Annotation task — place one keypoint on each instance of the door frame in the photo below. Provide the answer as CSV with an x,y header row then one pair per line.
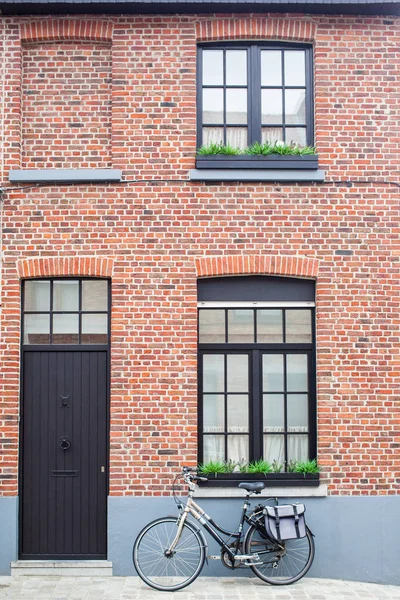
x,y
61,348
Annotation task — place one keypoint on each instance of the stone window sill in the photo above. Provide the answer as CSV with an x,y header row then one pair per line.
x,y
65,175
257,175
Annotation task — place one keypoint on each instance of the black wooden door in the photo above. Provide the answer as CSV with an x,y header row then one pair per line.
x,y
64,455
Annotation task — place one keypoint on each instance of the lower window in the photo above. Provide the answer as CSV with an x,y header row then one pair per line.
x,y
257,385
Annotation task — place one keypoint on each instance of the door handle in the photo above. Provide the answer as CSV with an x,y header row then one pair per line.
x,y
65,443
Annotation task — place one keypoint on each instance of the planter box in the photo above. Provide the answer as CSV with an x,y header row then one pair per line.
x,y
269,479
247,161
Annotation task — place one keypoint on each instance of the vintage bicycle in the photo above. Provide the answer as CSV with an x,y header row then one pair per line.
x,y
169,553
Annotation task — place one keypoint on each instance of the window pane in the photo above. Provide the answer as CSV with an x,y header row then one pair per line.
x,y
269,326
295,68
37,329
213,67
37,296
296,135
66,295
298,327
213,135
238,413
213,413
274,448
213,447
273,412
271,134
236,67
95,294
297,447
213,373
271,106
273,373
297,412
236,137
238,448
94,329
236,106
65,329
295,107
271,67
237,373
297,380
211,326
213,107
240,326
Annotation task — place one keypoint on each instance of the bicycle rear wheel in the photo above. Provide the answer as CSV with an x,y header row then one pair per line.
x,y
168,572
282,563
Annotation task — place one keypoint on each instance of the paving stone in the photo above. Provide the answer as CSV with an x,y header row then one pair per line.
x,y
204,588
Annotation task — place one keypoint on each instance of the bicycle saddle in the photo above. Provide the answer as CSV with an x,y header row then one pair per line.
x,y
255,487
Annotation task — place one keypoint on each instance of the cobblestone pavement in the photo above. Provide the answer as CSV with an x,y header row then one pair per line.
x,y
204,588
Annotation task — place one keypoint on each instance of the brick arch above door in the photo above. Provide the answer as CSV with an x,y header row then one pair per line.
x,y
285,266
77,266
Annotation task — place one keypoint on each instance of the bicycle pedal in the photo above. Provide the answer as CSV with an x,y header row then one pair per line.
x,y
251,564
214,557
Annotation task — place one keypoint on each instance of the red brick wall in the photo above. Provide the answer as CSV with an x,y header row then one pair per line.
x,y
160,232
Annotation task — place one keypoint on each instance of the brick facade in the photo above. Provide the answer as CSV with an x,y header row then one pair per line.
x,y
134,99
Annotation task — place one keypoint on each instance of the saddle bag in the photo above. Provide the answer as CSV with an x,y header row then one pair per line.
x,y
285,521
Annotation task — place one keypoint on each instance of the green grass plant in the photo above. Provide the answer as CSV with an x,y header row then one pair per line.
x,y
257,149
218,149
307,466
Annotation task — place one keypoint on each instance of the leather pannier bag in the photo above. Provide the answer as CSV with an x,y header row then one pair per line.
x,y
285,521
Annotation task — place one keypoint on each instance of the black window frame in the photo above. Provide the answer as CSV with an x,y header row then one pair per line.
x,y
57,346
255,352
254,121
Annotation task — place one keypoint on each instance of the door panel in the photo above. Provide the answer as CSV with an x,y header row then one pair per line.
x,y
64,488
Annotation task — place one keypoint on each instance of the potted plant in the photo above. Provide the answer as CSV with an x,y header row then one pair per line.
x,y
276,155
229,473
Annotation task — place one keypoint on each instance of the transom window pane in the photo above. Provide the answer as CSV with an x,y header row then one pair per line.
x,y
269,326
95,295
298,326
240,326
66,329
66,311
37,329
66,295
211,326
37,296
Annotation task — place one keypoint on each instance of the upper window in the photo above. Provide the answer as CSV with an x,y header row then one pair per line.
x,y
253,92
66,311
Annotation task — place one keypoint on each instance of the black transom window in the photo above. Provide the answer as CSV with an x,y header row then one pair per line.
x,y
257,396
66,312
254,92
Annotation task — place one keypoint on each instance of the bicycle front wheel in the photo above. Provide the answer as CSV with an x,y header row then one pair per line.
x,y
168,571
281,563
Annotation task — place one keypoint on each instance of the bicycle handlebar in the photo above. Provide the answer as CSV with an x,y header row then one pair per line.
x,y
192,474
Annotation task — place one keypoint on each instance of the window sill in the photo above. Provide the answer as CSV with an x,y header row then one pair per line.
x,y
65,175
248,161
269,479
260,175
287,491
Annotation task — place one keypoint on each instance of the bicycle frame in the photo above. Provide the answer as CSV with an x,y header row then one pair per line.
x,y
193,509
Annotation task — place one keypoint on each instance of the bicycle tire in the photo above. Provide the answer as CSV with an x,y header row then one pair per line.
x,y
283,563
165,573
